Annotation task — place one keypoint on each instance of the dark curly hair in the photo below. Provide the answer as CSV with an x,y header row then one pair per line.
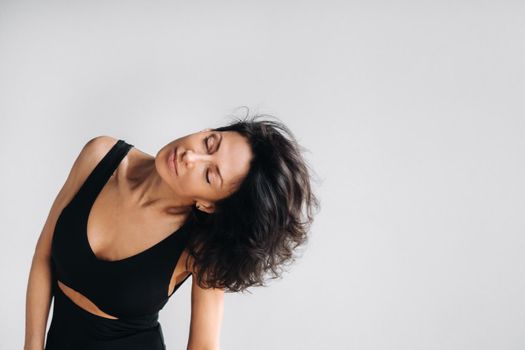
x,y
254,231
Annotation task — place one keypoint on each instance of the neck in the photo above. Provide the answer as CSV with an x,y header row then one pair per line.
x,y
148,190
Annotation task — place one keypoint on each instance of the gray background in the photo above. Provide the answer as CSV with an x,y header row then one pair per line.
x,y
412,113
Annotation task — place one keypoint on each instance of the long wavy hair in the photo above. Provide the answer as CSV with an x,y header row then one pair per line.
x,y
254,232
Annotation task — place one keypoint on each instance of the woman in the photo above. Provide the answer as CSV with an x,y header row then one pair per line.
x,y
227,206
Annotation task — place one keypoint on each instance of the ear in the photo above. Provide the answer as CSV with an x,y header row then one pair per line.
x,y
205,207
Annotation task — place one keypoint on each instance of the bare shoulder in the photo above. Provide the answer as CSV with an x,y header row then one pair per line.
x,y
89,156
94,150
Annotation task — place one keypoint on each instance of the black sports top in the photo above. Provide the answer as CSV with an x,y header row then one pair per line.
x,y
134,288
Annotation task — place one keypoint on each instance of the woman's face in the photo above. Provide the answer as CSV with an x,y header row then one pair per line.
x,y
205,166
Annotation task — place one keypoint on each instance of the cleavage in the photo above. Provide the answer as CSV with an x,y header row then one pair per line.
x,y
115,232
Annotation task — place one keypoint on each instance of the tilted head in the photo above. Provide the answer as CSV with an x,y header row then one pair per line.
x,y
253,231
206,166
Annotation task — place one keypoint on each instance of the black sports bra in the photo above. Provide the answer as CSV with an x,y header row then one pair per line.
x,y
133,287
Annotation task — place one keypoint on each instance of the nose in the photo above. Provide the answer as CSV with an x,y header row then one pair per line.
x,y
191,157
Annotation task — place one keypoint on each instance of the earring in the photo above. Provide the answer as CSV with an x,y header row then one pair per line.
x,y
198,206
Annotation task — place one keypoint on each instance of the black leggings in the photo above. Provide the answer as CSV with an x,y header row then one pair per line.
x,y
72,327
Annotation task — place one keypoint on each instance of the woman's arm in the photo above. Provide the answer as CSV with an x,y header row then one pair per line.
x,y
39,293
207,306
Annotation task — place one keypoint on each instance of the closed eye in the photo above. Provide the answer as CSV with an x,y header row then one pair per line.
x,y
216,144
206,143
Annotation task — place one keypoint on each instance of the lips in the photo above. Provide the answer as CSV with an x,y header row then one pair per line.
x,y
172,160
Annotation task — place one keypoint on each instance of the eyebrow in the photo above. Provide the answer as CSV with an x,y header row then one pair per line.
x,y
218,170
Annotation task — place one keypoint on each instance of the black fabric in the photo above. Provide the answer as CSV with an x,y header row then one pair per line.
x,y
133,289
